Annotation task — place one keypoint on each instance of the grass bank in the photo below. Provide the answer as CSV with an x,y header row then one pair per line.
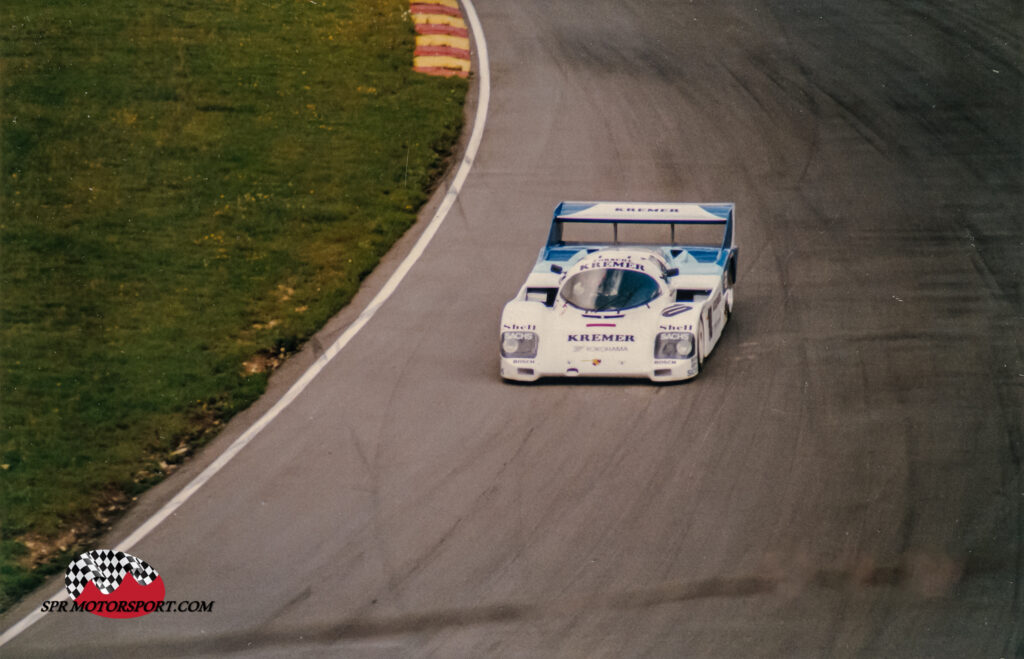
x,y
188,191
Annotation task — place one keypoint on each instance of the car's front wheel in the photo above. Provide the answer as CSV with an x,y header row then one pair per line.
x,y
700,349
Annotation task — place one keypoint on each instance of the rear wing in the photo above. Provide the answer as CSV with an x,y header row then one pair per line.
x,y
631,214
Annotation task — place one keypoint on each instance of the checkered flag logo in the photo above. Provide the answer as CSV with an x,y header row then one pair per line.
x,y
106,569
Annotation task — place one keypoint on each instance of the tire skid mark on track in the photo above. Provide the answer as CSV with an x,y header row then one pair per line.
x,y
431,621
918,572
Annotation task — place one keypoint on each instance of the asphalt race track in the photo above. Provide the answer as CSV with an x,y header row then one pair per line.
x,y
845,478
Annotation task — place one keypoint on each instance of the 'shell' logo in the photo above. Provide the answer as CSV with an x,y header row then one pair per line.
x,y
113,584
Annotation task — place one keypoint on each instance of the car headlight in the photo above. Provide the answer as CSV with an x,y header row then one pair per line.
x,y
673,345
518,344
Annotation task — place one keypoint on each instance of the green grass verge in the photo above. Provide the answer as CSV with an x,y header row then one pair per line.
x,y
184,185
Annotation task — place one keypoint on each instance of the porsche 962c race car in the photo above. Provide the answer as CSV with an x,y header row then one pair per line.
x,y
623,289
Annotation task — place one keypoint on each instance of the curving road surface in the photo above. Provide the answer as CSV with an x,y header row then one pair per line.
x,y
845,478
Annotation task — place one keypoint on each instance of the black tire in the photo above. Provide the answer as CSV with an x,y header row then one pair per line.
x,y
700,349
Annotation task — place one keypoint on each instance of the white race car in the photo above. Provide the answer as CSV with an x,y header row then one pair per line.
x,y
620,291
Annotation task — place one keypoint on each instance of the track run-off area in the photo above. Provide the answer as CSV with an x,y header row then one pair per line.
x,y
845,477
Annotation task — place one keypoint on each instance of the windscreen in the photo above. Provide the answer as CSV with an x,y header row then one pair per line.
x,y
606,289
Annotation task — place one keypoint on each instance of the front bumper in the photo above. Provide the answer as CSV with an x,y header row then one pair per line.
x,y
656,370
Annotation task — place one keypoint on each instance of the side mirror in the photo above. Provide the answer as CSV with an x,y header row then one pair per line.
x,y
557,269
672,272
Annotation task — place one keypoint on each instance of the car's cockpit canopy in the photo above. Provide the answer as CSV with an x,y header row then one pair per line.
x,y
609,289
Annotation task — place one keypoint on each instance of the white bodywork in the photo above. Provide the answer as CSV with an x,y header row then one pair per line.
x,y
662,327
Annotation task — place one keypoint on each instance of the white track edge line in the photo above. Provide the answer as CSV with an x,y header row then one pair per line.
x,y
325,358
